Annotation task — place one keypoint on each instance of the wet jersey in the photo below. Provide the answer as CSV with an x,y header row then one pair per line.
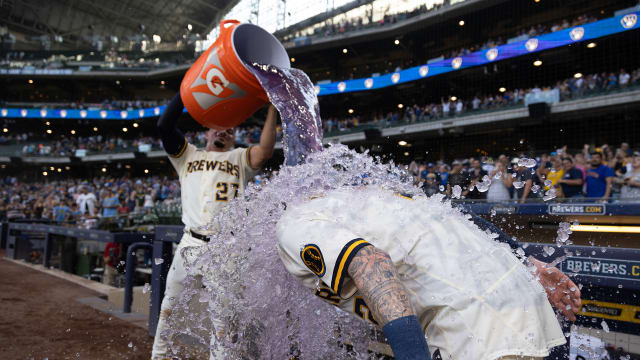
x,y
474,298
208,180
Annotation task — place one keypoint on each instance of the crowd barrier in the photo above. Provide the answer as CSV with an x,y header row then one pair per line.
x,y
610,277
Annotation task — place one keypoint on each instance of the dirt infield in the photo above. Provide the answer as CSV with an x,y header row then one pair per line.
x,y
40,318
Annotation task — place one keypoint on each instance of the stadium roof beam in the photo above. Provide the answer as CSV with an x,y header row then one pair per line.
x,y
80,20
322,17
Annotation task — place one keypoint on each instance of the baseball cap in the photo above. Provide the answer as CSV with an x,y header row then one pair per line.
x,y
456,162
636,153
515,160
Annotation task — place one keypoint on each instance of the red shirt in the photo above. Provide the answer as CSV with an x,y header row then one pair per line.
x,y
113,255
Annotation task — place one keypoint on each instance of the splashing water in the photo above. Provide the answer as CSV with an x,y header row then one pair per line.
x,y
293,94
242,268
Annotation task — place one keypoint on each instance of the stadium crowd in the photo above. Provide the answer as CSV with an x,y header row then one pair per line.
x,y
599,173
358,23
85,203
567,89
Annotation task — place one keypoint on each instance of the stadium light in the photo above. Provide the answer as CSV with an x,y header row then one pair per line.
x,y
30,81
156,38
48,123
51,168
461,22
350,111
397,42
537,1
67,167
117,82
146,171
189,27
73,132
124,129
5,130
591,45
293,59
400,106
454,98
135,125
502,89
406,153
49,131
104,169
606,228
537,63
344,51
161,82
402,143
95,129
45,173
577,75
59,170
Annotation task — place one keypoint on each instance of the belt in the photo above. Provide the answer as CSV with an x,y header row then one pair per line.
x,y
194,234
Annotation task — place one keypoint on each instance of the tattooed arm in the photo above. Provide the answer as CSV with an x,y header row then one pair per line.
x,y
377,280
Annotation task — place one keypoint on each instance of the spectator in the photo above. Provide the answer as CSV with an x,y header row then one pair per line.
x,y
523,183
624,79
631,188
458,177
444,175
501,181
87,202
476,173
74,214
571,182
110,204
430,185
555,173
599,178
61,212
111,256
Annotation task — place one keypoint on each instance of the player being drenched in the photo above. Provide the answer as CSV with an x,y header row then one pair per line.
x,y
209,178
418,270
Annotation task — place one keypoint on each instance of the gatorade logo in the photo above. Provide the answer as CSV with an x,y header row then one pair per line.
x,y
211,86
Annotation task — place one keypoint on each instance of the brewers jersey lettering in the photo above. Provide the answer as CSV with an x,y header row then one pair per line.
x,y
474,298
208,180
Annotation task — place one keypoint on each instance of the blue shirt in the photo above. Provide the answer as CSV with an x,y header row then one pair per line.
x,y
60,213
597,181
111,201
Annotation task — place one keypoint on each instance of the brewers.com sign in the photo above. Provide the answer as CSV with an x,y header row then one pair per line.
x,y
576,209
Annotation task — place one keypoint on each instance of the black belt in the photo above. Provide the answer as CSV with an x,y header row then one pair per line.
x,y
204,238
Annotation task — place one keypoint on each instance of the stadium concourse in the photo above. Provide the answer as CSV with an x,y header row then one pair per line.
x,y
525,113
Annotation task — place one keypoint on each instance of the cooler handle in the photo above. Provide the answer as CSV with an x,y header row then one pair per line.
x,y
226,22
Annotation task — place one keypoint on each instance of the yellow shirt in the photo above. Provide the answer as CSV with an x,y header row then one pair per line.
x,y
554,176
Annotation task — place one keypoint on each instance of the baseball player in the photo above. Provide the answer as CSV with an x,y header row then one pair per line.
x,y
209,178
420,269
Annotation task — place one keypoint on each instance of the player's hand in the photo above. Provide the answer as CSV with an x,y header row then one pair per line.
x,y
563,294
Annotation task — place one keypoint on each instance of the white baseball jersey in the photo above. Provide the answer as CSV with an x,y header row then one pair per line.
x,y
208,180
474,298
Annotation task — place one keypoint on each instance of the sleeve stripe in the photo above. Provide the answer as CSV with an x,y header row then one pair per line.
x,y
184,147
343,261
249,157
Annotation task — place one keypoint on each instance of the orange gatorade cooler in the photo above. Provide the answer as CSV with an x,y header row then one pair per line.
x,y
219,90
